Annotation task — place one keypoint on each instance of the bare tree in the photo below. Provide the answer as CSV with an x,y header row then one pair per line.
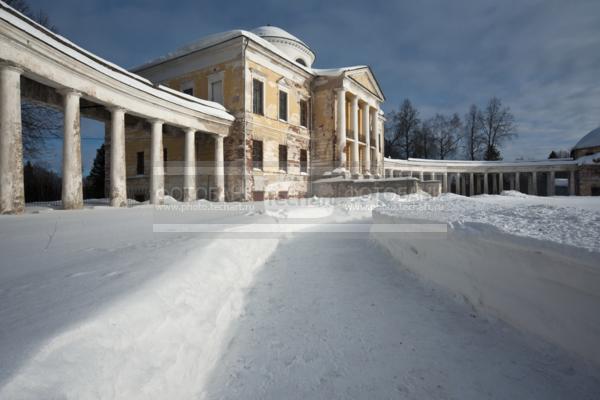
x,y
446,134
424,143
38,16
474,139
40,122
402,128
498,125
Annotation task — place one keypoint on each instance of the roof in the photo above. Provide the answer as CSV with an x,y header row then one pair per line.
x,y
256,35
273,31
213,40
337,71
480,163
592,139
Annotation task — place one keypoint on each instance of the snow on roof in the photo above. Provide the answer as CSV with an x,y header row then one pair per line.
x,y
212,40
337,71
469,163
255,35
592,139
592,159
60,43
273,31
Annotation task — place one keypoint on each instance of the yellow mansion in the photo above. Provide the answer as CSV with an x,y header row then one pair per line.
x,y
293,123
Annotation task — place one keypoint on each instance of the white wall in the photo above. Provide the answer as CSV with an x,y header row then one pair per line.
x,y
546,289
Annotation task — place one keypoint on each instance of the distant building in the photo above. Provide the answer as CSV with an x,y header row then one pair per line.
x,y
587,152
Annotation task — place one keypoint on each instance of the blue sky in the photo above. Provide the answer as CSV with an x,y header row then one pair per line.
x,y
542,58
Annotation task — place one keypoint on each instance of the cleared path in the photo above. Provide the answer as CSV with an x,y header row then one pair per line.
x,y
337,318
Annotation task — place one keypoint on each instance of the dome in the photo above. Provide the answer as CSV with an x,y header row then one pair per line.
x,y
592,139
289,44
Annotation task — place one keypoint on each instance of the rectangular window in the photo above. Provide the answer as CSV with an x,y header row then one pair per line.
x,y
303,161
140,163
257,97
283,98
216,92
304,113
257,154
282,158
189,91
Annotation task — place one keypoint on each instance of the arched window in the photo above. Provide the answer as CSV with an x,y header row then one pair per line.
x,y
301,61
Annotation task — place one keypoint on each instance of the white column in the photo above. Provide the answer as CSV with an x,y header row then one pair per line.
x,y
72,181
219,169
551,187
12,192
366,115
375,122
118,172
341,128
157,174
189,174
500,182
355,165
471,184
485,184
572,183
445,183
458,184
421,176
534,190
518,181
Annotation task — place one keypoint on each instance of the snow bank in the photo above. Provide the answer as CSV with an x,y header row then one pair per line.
x,y
530,263
158,342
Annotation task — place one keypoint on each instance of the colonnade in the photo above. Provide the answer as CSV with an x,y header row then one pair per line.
x,y
472,181
12,199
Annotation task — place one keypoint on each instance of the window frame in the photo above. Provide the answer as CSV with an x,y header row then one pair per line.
x,y
262,103
287,105
187,85
283,162
304,163
258,164
306,122
214,78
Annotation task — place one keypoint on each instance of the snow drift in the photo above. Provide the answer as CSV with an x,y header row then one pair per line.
x,y
531,264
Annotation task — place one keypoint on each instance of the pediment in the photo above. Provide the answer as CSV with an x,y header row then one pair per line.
x,y
365,78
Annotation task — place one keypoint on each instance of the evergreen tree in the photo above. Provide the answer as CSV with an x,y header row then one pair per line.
x,y
94,182
492,154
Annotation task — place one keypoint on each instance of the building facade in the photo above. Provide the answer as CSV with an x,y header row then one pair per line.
x,y
293,123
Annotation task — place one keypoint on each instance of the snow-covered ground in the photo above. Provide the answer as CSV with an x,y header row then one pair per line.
x,y
99,304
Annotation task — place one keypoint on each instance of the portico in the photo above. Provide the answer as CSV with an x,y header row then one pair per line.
x,y
359,132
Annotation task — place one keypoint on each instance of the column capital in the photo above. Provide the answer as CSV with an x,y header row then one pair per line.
x,y
68,91
156,121
190,130
115,109
340,90
354,99
11,66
